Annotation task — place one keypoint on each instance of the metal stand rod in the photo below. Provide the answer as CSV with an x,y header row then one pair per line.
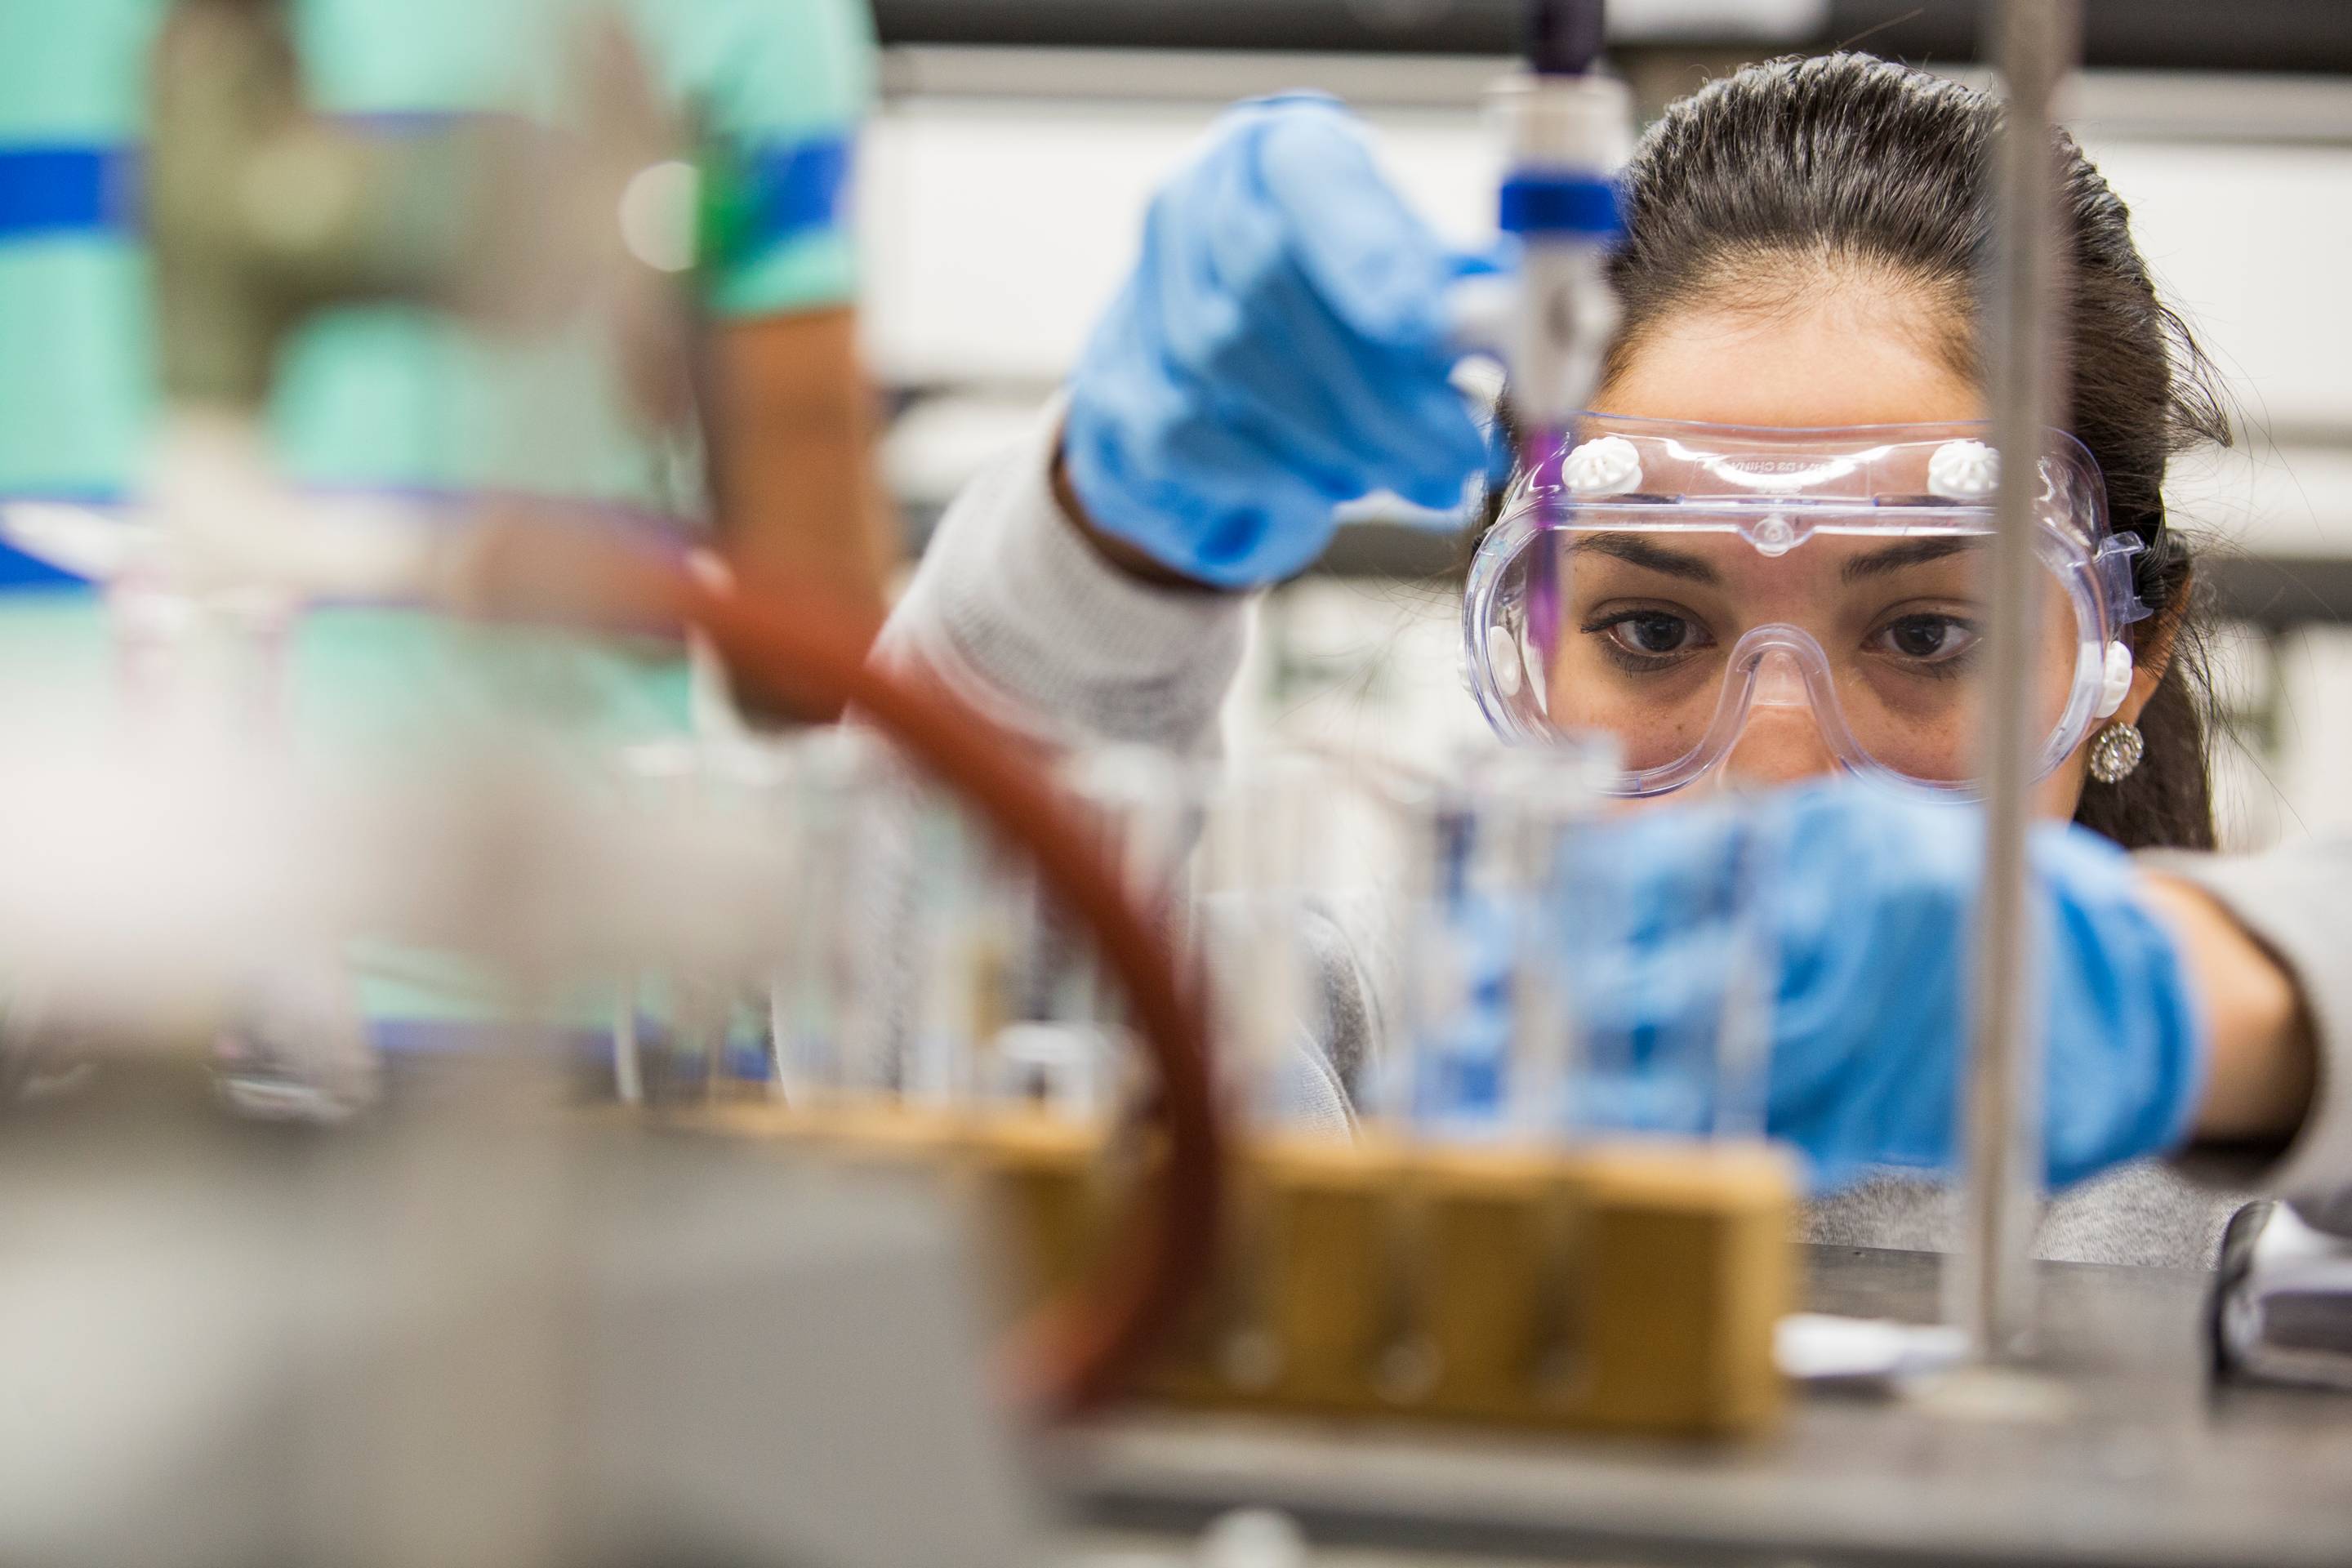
x,y
1990,1284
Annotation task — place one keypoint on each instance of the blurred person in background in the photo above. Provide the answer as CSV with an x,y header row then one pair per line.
x,y
409,401
1802,249
414,403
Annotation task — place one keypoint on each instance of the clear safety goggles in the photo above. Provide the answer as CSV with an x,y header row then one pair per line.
x,y
1692,590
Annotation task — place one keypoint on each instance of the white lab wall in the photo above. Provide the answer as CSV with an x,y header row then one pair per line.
x,y
995,229
2315,756
2251,242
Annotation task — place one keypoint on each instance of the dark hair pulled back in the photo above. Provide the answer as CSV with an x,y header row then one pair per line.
x,y
1764,178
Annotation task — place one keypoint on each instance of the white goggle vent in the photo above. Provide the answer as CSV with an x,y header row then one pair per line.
x,y
1606,466
1502,658
2115,680
1964,470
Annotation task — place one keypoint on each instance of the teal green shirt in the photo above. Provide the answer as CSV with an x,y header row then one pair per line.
x,y
394,396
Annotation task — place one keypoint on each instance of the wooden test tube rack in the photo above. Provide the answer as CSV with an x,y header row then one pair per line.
x,y
1632,1287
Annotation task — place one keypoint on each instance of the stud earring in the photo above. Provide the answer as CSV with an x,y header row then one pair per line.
x,y
2116,751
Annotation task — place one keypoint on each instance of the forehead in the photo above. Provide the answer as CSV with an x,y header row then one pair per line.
x,y
1850,356
1835,563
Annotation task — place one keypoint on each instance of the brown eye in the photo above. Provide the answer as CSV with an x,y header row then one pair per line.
x,y
1927,640
1654,633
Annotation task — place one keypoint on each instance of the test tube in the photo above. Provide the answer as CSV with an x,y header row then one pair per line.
x,y
822,1027
1444,1076
675,1004
1147,809
1265,840
751,780
659,777
1492,938
1743,1054
1534,801
1669,963
957,959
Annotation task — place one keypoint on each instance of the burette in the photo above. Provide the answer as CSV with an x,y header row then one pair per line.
x,y
1568,131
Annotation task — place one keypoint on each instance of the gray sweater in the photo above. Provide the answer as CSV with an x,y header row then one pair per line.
x,y
1020,616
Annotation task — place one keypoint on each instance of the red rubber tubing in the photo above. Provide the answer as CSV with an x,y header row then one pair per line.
x,y
1082,1348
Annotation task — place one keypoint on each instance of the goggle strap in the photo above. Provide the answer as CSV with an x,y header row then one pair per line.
x,y
2112,564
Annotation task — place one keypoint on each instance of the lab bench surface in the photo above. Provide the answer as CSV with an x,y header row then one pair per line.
x,y
2114,1450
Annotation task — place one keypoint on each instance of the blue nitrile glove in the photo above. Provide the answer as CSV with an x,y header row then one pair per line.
x,y
1279,350
1865,897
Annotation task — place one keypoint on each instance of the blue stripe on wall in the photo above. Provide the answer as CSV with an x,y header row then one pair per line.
x,y
48,191
792,188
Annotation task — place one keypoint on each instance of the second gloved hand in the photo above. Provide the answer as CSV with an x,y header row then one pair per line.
x,y
1280,350
1866,901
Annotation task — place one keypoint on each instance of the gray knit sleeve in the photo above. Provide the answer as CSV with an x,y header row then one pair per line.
x,y
2297,902
1022,618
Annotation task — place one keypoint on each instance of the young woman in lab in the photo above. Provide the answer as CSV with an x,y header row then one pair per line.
x,y
1799,269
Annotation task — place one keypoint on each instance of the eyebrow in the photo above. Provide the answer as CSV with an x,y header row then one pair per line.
x,y
1638,551
1897,557
1635,551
